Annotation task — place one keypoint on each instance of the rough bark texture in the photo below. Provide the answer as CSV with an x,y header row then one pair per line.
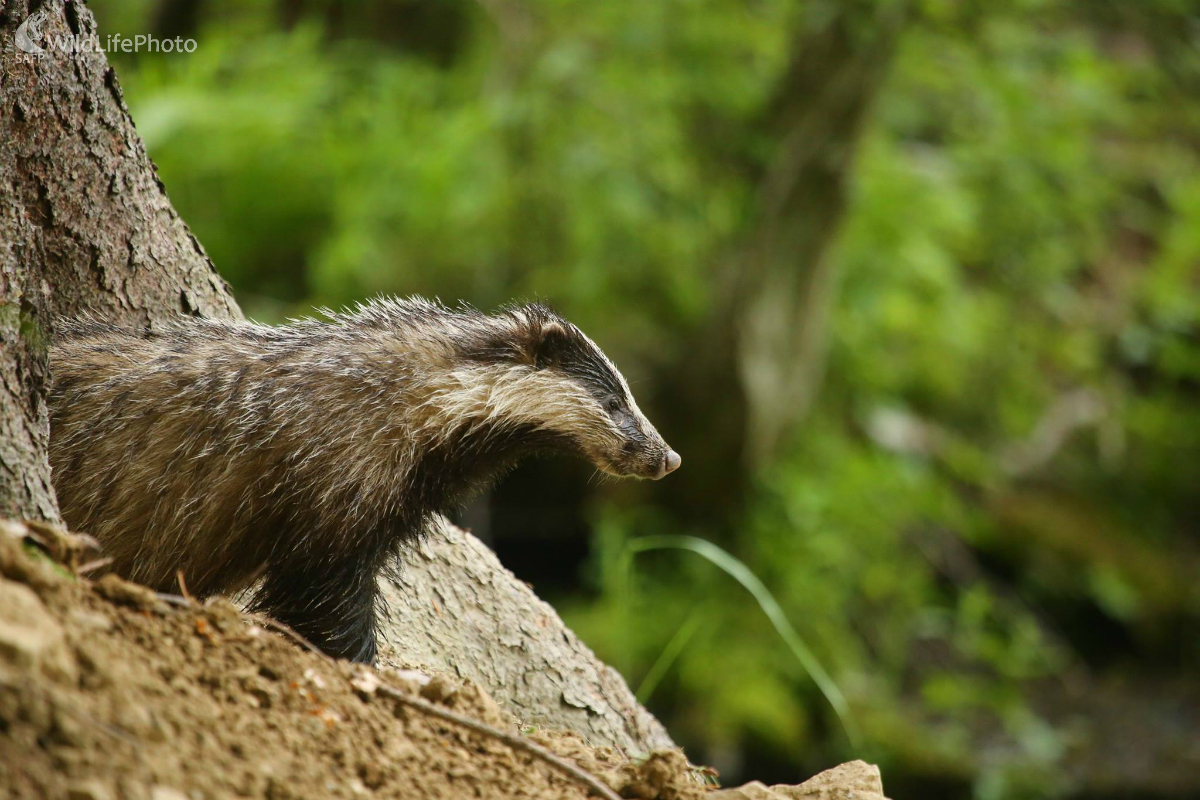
x,y
85,224
455,609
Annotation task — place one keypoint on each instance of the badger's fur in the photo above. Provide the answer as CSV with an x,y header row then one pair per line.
x,y
309,453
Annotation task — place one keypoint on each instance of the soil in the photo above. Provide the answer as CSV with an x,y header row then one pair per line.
x,y
108,691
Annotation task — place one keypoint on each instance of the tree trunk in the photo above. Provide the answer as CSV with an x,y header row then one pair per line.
x,y
786,283
500,635
769,324
85,225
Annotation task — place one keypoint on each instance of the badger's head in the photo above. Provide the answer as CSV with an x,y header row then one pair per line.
x,y
528,368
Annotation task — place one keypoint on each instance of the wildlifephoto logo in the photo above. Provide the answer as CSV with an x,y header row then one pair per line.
x,y
26,30
29,39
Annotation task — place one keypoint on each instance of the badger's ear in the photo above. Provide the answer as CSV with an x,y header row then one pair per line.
x,y
547,343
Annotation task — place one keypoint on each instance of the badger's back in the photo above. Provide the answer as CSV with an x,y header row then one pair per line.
x,y
211,445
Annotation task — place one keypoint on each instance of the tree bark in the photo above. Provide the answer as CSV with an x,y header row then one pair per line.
x,y
86,226
453,608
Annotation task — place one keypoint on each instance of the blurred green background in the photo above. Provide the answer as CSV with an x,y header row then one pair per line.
x,y
912,285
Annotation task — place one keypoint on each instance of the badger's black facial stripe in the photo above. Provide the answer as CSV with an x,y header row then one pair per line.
x,y
584,365
548,342
536,336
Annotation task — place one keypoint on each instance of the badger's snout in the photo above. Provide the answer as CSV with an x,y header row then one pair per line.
x,y
668,463
647,462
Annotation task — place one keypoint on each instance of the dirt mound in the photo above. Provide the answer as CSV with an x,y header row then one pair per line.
x,y
109,691
106,691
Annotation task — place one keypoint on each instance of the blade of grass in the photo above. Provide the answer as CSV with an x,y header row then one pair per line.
x,y
766,601
667,657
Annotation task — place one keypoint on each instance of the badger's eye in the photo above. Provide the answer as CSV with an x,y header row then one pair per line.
x,y
613,405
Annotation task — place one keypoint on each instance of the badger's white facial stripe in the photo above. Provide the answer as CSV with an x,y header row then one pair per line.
x,y
483,397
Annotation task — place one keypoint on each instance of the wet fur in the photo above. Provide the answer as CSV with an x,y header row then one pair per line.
x,y
310,453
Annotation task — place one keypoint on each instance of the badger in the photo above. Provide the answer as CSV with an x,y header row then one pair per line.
x,y
309,454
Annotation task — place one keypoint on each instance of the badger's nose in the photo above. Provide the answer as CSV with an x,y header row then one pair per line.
x,y
670,463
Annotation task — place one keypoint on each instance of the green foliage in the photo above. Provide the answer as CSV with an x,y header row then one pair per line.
x,y
1007,434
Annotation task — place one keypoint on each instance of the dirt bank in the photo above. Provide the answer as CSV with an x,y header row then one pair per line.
x,y
107,691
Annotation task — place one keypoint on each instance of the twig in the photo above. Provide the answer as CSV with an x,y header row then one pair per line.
x,y
515,742
174,599
183,585
1068,413
91,566
593,784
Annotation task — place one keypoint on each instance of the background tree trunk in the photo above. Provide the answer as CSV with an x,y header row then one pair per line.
x,y
85,225
785,278
777,289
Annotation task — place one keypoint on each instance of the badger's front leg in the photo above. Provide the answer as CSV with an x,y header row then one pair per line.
x,y
331,602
